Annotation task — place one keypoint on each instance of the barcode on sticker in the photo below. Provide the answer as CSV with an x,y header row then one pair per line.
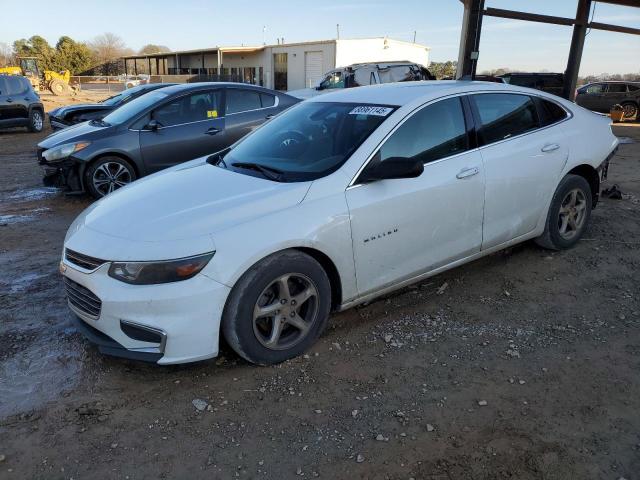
x,y
368,110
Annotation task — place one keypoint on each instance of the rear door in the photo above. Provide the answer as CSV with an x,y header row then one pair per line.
x,y
4,105
189,127
246,109
522,163
614,94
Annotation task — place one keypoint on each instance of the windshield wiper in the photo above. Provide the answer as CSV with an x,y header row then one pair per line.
x,y
269,172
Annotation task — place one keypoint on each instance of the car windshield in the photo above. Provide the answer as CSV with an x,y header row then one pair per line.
x,y
308,141
135,106
122,96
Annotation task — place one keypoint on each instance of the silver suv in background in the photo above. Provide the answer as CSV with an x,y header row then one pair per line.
x,y
362,74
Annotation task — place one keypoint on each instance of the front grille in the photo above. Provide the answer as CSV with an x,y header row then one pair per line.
x,y
82,298
81,260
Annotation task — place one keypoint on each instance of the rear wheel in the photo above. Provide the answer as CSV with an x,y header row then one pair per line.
x,y
630,110
278,308
36,121
568,214
108,174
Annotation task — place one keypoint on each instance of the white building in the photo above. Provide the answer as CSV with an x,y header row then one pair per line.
x,y
287,66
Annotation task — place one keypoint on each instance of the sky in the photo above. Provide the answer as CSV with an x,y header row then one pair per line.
x,y
193,24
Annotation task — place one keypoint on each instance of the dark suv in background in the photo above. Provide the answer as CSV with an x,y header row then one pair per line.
x,y
547,82
601,96
20,105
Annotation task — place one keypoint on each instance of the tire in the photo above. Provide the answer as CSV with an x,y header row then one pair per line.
x,y
57,87
36,121
568,215
630,110
107,174
300,315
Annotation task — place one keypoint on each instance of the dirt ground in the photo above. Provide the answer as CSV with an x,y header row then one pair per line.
x,y
522,365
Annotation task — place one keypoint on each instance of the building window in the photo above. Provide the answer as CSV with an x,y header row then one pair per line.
x,y
280,71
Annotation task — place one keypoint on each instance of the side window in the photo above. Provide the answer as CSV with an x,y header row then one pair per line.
x,y
504,115
550,112
188,109
595,88
333,80
267,100
617,88
239,100
435,132
362,77
633,88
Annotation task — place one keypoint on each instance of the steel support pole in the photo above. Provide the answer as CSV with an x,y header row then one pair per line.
x,y
577,46
470,38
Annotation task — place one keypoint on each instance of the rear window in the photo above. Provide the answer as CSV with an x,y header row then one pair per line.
x,y
550,112
504,115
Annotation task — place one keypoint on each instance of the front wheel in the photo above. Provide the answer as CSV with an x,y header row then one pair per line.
x,y
568,214
278,308
108,174
36,121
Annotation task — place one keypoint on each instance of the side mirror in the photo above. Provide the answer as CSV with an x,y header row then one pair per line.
x,y
153,125
393,167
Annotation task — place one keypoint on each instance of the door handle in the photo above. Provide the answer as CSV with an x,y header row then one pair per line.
x,y
9,100
550,148
269,117
467,172
212,131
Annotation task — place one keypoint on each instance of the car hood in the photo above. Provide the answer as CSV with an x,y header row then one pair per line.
x,y
183,206
74,133
305,93
79,107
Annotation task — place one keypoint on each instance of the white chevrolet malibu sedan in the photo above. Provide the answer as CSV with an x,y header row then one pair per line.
x,y
338,200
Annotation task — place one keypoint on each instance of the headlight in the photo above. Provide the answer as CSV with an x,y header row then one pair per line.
x,y
149,273
63,151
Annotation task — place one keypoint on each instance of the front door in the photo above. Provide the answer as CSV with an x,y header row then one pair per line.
x,y
592,98
188,127
522,164
404,227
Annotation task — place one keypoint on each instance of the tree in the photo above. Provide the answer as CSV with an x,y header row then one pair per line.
x,y
6,55
152,48
37,46
107,49
443,69
73,56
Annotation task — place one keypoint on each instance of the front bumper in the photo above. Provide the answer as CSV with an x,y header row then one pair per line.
x,y
185,314
63,174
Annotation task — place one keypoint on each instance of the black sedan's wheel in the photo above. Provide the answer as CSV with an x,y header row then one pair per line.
x,y
630,110
107,174
568,215
278,308
36,121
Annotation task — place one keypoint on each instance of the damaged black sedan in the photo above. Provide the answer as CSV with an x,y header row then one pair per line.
x,y
155,131
66,116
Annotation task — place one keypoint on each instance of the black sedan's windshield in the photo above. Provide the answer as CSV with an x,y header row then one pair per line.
x,y
308,141
123,96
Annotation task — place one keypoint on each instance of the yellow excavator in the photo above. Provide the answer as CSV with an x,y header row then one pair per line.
x,y
56,82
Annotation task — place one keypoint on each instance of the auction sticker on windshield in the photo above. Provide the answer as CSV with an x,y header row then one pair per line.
x,y
369,110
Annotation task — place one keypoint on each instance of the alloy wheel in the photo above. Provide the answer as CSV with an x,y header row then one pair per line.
x,y
629,110
37,120
285,311
572,214
109,177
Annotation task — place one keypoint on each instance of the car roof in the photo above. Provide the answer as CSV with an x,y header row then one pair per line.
x,y
402,93
186,87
